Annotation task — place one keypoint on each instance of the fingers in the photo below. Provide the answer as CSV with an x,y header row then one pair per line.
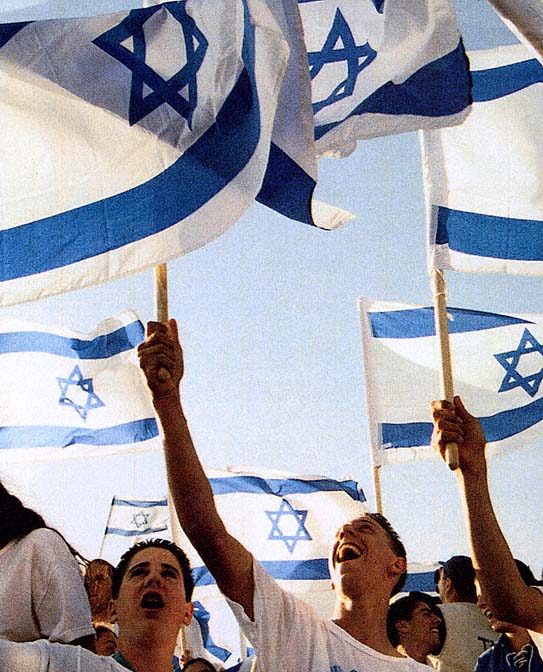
x,y
448,426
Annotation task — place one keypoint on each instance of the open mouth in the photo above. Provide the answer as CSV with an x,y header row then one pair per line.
x,y
152,601
348,551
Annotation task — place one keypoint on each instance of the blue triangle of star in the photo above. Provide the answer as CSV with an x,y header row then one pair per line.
x,y
286,510
510,360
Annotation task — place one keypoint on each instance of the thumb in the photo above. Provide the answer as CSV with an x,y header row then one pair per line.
x,y
461,411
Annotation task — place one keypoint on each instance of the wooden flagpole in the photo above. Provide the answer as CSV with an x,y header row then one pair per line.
x,y
377,488
526,19
442,333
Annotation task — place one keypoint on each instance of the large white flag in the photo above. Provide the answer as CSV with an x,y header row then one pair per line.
x,y
130,139
67,393
381,67
483,179
497,366
290,531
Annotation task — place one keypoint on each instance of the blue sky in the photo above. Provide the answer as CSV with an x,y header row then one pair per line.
x,y
269,321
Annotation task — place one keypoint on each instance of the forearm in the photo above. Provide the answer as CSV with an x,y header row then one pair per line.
x,y
496,569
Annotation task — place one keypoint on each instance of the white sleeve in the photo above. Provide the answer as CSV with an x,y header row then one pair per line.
x,y
42,656
59,598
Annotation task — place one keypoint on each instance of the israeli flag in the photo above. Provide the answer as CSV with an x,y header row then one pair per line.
x,y
381,67
497,365
64,393
130,139
483,179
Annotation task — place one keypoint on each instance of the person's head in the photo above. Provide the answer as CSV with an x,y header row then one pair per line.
x,y
98,579
17,520
198,665
106,640
367,553
483,604
415,623
455,580
152,584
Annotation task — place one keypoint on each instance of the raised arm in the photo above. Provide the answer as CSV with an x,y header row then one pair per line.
x,y
228,561
510,599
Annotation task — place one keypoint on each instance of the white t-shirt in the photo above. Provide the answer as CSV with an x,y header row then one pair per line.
x,y
468,636
43,656
289,635
41,591
537,637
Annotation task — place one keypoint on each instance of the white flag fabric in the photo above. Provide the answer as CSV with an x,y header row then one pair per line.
x,y
146,134
381,67
290,531
65,393
497,368
483,179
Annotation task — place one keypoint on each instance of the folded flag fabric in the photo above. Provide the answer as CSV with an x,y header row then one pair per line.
x,y
146,134
64,393
497,367
483,179
380,67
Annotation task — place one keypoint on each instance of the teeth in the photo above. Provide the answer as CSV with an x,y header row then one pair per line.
x,y
348,552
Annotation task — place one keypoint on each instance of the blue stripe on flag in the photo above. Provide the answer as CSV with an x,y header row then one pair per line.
x,y
154,206
299,570
445,82
498,82
496,427
283,487
45,436
140,503
101,347
419,322
287,188
490,235
134,533
421,581
312,570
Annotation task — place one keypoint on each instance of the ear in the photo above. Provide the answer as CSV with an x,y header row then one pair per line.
x,y
189,611
402,627
398,566
112,611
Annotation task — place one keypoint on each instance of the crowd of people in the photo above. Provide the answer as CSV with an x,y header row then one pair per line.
x,y
487,617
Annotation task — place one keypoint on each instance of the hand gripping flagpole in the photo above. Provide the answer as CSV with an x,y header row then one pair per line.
x,y
442,332
525,19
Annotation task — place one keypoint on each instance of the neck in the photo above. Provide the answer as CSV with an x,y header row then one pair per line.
x,y
147,653
365,620
517,639
415,653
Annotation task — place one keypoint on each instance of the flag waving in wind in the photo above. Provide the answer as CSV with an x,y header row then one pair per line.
x,y
380,67
146,135
483,179
497,365
64,392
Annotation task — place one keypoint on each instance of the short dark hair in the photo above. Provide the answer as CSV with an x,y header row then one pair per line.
x,y
402,610
120,570
203,661
395,544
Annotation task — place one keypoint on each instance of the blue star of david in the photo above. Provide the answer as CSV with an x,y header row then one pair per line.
x,y
140,519
286,511
162,90
510,360
351,53
76,379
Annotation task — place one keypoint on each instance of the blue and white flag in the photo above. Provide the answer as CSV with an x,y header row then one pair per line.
x,y
483,179
290,531
64,393
379,67
131,521
497,367
130,139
